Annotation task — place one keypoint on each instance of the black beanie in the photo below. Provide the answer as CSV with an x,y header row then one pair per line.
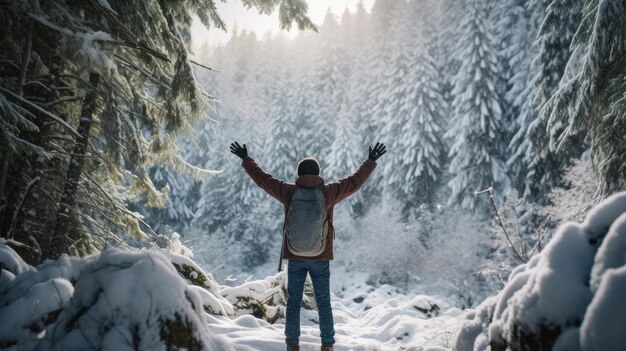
x,y
308,166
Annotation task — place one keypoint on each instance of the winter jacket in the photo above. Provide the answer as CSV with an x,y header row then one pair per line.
x,y
333,193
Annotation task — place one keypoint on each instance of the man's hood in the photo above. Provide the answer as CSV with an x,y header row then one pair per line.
x,y
309,181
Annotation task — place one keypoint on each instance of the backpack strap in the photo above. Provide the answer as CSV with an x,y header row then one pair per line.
x,y
282,244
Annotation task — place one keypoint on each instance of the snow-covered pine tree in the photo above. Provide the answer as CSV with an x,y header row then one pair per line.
x,y
374,62
448,35
392,83
301,96
346,153
534,158
477,135
329,79
283,156
513,35
418,139
594,99
413,112
515,24
388,64
355,36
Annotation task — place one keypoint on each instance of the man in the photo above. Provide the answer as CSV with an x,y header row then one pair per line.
x,y
310,254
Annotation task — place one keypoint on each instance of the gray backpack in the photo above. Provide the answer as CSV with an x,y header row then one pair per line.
x,y
306,223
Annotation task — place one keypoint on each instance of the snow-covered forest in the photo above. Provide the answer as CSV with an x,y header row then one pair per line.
x,y
503,120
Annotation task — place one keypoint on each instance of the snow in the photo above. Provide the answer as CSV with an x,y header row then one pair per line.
x,y
383,320
106,5
10,261
603,327
612,253
147,300
92,50
42,299
579,280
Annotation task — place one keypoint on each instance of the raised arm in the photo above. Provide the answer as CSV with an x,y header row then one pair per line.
x,y
341,189
277,188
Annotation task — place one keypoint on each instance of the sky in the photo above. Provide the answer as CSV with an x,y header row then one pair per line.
x,y
235,15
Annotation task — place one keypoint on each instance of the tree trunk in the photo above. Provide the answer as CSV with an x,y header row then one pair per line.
x,y
68,198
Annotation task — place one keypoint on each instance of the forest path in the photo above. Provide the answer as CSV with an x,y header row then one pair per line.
x,y
378,320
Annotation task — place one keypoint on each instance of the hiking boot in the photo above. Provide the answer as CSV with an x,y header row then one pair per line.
x,y
327,348
295,347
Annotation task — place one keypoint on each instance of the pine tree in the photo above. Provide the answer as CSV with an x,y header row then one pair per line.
x,y
301,97
535,158
346,152
593,100
415,173
329,79
374,62
513,35
284,156
477,132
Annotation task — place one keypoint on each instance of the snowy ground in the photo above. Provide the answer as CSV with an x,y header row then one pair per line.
x,y
568,297
147,300
365,320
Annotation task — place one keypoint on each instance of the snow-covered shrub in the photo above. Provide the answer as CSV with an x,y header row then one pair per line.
x,y
11,264
31,299
116,300
455,264
382,245
572,296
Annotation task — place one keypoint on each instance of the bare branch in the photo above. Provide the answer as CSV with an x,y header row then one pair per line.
x,y
490,191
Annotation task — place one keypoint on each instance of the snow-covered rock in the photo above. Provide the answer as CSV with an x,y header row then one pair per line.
x,y
572,296
116,300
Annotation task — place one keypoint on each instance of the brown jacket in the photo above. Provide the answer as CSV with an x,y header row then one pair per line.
x,y
333,194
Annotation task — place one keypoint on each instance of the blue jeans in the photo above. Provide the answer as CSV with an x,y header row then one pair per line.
x,y
296,276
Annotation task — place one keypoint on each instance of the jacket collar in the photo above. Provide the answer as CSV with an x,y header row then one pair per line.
x,y
309,181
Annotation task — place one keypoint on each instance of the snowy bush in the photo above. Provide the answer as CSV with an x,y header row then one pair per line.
x,y
455,264
116,300
385,247
572,296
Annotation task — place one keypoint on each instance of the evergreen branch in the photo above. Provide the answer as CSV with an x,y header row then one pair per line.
x,y
12,63
39,109
147,74
29,187
203,66
130,39
120,208
611,70
62,100
39,84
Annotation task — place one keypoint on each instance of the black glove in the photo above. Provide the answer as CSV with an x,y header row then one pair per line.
x,y
238,150
377,151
